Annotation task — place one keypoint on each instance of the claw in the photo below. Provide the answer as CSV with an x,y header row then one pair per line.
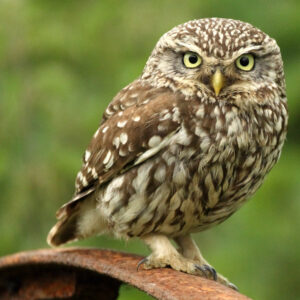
x,y
212,272
141,262
210,269
202,269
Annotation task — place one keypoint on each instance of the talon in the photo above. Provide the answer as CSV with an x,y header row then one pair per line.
x,y
141,262
212,272
210,269
202,269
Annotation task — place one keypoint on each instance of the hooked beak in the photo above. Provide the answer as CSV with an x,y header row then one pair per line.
x,y
218,81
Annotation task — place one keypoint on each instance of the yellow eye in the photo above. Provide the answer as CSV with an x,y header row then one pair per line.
x,y
191,60
245,62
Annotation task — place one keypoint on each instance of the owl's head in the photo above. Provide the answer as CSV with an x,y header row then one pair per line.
x,y
217,59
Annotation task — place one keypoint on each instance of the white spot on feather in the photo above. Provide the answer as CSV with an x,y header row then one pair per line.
x,y
84,181
94,173
122,152
96,133
87,155
161,127
110,162
176,115
134,95
107,157
105,129
121,124
116,142
200,112
165,115
123,138
154,141
136,118
146,101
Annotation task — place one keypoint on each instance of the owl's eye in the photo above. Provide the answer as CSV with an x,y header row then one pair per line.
x,y
245,62
191,60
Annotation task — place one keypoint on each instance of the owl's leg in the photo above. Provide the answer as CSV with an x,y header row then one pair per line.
x,y
188,248
164,254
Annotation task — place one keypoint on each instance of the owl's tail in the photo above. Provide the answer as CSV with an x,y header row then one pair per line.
x,y
77,219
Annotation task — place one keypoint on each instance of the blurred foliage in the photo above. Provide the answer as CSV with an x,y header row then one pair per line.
x,y
61,62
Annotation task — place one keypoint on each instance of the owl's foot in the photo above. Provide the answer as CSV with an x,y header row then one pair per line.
x,y
165,255
189,249
188,259
179,263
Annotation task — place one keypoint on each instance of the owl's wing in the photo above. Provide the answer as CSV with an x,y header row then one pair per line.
x,y
133,133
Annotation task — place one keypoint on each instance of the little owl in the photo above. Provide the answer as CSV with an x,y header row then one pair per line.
x,y
182,147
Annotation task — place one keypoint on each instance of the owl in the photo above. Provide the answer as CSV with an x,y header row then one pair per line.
x,y
182,147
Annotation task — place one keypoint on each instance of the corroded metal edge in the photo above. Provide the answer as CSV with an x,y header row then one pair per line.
x,y
164,284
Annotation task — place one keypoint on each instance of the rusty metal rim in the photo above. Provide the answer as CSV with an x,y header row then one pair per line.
x,y
165,284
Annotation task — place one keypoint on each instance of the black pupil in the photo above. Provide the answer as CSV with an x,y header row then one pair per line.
x,y
193,58
244,61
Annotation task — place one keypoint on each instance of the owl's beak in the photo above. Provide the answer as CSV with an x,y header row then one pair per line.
x,y
218,81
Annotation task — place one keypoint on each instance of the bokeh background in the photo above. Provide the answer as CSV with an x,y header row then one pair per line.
x,y
61,62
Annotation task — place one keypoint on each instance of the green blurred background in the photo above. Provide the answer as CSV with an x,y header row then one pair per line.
x,y
61,62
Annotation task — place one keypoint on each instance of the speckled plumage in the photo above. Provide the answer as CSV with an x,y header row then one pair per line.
x,y
172,157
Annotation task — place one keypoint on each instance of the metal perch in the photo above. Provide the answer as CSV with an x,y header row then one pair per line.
x,y
80,273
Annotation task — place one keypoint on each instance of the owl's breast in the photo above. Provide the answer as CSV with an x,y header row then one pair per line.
x,y
235,151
